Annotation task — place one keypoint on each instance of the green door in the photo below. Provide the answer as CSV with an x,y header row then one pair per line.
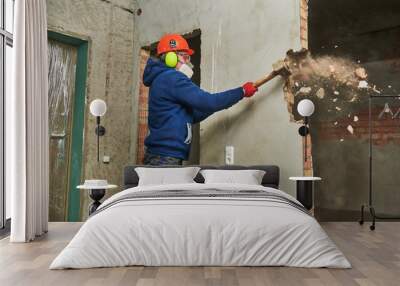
x,y
67,89
62,70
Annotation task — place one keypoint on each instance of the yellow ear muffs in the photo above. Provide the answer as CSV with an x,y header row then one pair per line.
x,y
171,59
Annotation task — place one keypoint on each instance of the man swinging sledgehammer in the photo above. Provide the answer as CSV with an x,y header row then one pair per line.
x,y
175,102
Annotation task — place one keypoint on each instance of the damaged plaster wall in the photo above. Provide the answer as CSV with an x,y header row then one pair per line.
x,y
108,26
240,41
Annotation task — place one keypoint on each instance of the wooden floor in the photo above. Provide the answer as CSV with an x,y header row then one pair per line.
x,y
375,257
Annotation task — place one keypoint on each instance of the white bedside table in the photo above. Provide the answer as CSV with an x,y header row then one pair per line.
x,y
97,190
304,190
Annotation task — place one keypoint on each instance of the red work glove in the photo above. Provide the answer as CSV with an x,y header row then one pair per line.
x,y
249,89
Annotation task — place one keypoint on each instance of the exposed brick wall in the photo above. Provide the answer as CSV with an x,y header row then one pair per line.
x,y
304,23
142,108
307,165
385,130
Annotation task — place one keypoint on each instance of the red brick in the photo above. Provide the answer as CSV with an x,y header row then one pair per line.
x,y
142,109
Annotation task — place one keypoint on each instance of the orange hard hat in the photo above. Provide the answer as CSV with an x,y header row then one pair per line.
x,y
173,42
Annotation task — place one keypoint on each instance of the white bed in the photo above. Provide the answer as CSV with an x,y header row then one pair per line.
x,y
185,230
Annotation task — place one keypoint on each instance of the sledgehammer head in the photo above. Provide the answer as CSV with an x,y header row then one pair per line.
x,y
281,68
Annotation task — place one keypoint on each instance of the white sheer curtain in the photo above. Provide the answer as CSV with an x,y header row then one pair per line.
x,y
27,143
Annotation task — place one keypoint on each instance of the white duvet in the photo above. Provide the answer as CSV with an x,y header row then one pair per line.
x,y
200,231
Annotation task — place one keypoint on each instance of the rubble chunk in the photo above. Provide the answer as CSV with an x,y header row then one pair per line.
x,y
363,84
376,90
350,129
304,90
320,93
361,73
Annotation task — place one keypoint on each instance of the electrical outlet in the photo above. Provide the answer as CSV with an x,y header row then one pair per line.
x,y
106,159
229,155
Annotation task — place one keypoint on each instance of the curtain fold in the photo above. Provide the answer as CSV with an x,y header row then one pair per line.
x,y
27,141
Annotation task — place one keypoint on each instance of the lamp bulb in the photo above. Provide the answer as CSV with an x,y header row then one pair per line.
x,y
305,107
98,107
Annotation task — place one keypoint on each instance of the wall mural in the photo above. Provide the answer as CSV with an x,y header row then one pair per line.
x,y
338,74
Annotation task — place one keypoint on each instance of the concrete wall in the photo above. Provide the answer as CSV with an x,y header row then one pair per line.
x,y
108,26
240,41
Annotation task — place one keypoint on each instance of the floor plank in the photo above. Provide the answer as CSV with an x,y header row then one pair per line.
x,y
375,257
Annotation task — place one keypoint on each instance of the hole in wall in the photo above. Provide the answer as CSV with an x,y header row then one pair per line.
x,y
348,29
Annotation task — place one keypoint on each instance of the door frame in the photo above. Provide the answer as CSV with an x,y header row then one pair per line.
x,y
78,121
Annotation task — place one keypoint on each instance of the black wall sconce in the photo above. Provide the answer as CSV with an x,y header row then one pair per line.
x,y
98,108
305,108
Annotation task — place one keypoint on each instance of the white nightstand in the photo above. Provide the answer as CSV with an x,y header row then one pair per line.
x,y
304,190
97,190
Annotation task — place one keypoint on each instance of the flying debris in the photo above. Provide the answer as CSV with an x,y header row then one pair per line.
x,y
361,73
305,90
363,84
320,93
350,129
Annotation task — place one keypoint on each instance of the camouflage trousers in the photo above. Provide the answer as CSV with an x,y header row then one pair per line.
x,y
159,160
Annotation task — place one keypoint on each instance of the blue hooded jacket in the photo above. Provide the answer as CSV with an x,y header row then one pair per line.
x,y
175,103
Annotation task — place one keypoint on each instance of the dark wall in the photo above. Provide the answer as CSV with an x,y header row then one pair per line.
x,y
355,26
194,40
367,32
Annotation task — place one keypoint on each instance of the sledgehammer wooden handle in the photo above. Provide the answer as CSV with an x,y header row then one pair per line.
x,y
279,68
265,79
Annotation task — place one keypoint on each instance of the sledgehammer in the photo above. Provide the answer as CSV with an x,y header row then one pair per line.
x,y
279,68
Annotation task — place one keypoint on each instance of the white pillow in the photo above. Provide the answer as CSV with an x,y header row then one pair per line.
x,y
248,177
164,176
